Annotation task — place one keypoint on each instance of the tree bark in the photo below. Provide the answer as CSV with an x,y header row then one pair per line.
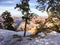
x,y
25,27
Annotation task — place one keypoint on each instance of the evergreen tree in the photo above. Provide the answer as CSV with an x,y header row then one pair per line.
x,y
24,7
8,20
52,7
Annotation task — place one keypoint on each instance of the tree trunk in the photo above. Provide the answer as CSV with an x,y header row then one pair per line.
x,y
25,27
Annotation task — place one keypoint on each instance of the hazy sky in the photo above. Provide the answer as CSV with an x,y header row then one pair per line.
x,y
10,4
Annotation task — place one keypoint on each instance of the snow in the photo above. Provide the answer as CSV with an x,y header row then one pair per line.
x,y
53,32
8,32
6,38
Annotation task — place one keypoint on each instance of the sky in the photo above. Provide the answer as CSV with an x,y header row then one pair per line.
x,y
10,4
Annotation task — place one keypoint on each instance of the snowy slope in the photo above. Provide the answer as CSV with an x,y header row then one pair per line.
x,y
6,38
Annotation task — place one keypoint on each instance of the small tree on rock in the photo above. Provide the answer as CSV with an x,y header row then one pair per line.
x,y
8,20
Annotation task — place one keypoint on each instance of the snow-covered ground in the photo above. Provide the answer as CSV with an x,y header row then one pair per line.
x,y
7,38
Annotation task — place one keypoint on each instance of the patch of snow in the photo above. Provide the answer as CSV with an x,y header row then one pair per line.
x,y
41,34
21,33
53,33
6,38
8,32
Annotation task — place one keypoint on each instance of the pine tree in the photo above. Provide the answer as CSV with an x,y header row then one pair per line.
x,y
52,9
24,7
8,20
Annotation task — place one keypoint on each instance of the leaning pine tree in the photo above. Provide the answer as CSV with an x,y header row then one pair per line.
x,y
52,7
